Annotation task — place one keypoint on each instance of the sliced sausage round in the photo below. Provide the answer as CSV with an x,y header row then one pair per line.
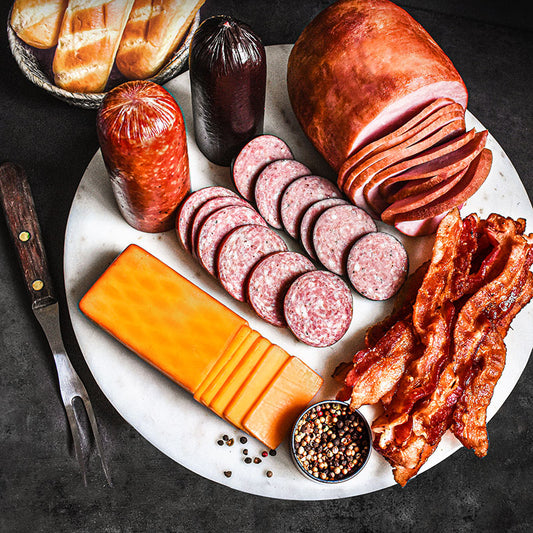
x,y
310,217
377,266
318,308
217,226
300,195
335,232
239,253
253,158
189,207
270,280
271,184
207,209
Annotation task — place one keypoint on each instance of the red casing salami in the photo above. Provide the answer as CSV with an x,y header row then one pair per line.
x,y
142,136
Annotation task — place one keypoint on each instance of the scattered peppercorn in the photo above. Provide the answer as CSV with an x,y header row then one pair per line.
x,y
230,442
317,445
243,440
257,460
225,437
220,442
248,460
227,473
269,473
264,453
245,451
272,452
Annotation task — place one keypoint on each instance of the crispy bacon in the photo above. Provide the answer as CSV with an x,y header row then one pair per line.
x,y
376,371
458,309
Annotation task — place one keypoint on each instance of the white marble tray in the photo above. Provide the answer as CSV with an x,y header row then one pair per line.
x,y
168,416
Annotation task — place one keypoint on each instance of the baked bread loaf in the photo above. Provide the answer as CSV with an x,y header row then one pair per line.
x,y
88,43
37,22
153,31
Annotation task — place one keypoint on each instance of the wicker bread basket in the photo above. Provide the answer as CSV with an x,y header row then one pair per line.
x,y
32,63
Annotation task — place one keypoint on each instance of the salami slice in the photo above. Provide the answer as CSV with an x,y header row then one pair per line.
x,y
377,266
269,281
240,251
310,217
207,209
335,232
318,308
300,195
271,184
189,207
253,158
217,226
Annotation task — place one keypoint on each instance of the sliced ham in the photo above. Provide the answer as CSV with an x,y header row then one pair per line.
x,y
359,70
467,186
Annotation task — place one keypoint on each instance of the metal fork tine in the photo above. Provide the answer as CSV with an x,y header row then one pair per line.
x,y
76,439
97,440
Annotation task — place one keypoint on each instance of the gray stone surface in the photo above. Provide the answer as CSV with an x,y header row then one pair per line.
x,y
40,486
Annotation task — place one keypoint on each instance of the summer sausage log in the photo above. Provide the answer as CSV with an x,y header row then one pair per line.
x,y
239,253
142,135
360,69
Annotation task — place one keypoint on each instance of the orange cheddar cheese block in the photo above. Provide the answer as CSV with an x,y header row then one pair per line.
x,y
186,330
228,369
276,410
200,344
254,385
229,353
238,376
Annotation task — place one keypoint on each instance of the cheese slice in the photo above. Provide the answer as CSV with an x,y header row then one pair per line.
x,y
161,316
229,367
239,375
222,361
254,385
276,410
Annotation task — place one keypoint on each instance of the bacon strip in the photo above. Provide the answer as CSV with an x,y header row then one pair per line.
x,y
478,279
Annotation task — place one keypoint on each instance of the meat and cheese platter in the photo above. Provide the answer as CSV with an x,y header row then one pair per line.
x,y
166,414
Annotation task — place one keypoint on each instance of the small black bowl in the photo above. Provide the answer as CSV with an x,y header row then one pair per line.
x,y
319,419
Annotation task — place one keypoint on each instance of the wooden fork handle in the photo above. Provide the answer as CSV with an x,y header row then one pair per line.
x,y
19,210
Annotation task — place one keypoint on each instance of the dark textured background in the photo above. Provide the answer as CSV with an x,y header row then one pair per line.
x,y
491,45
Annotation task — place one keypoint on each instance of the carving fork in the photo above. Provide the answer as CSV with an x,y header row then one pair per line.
x,y
19,210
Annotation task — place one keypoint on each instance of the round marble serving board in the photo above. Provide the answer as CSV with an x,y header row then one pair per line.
x,y
168,416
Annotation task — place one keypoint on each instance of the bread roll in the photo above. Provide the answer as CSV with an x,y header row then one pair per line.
x,y
37,22
88,42
153,31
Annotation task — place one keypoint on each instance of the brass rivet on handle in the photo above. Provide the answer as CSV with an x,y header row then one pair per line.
x,y
37,285
24,236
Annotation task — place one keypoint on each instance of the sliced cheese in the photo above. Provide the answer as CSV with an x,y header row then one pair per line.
x,y
161,316
254,385
228,369
222,361
271,417
239,375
